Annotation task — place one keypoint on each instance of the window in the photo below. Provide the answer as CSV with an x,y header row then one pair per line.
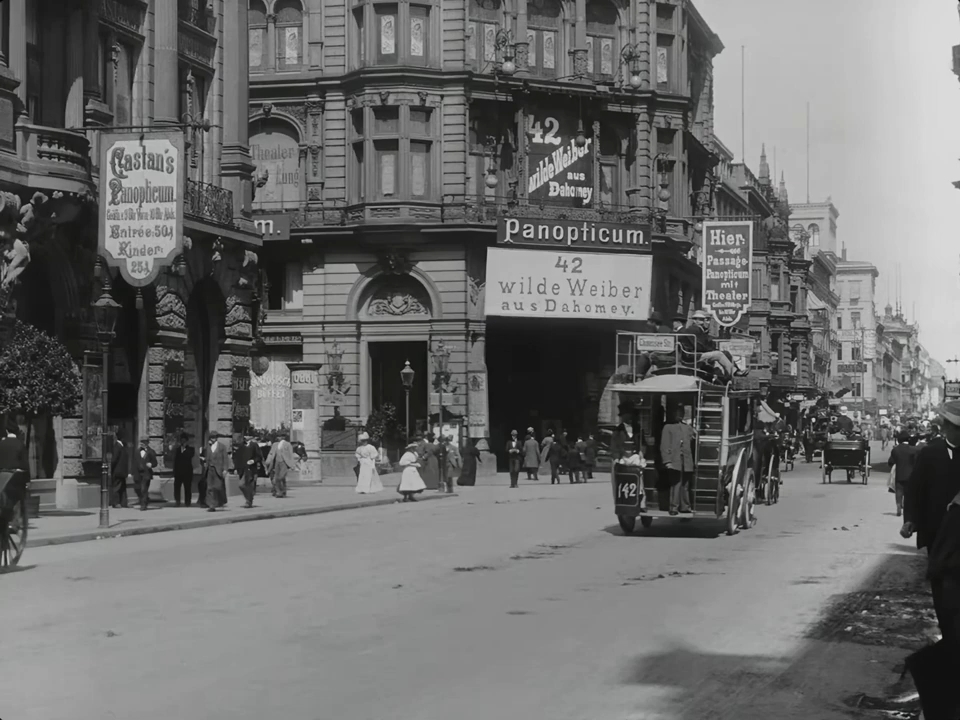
x,y
855,290
543,36
814,231
386,34
285,280
757,284
855,353
664,62
485,19
257,34
855,318
481,159
400,144
775,286
611,161
601,38
419,34
839,322
275,147
5,34
289,34
840,353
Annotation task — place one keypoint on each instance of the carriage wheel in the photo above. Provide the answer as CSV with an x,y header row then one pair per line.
x,y
865,474
768,486
747,516
776,492
733,504
13,537
646,521
628,524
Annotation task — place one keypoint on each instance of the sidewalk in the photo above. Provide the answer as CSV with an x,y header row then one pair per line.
x,y
59,527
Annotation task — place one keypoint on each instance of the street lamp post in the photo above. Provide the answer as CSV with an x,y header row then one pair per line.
x,y
441,374
406,377
105,311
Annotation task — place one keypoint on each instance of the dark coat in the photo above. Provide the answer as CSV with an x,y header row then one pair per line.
x,y
903,457
555,453
573,459
623,446
590,453
122,460
934,483
13,454
183,461
514,455
243,456
146,462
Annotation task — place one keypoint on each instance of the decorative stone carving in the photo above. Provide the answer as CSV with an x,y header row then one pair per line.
x,y
580,63
313,193
475,290
395,301
171,310
394,263
259,364
238,323
423,97
315,160
384,97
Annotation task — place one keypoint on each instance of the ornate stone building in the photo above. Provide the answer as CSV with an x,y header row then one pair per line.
x,y
68,72
396,136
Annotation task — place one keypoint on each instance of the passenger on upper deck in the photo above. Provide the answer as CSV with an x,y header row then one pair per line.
x,y
705,347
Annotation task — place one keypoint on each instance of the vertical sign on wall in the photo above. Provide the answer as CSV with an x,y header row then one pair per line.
x,y
173,416
240,414
558,171
477,404
304,386
141,202
727,262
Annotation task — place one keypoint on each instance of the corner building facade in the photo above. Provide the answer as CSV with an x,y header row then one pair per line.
x,y
69,72
400,140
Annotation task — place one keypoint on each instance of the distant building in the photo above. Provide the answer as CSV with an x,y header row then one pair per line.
x,y
857,356
819,222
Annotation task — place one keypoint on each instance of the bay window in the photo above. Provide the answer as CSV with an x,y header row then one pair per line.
x,y
257,34
117,65
611,163
400,145
485,18
543,35
393,34
602,32
289,34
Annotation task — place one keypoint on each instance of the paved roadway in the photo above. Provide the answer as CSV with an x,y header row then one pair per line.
x,y
498,604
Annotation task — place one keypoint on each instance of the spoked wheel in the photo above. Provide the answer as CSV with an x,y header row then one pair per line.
x,y
747,516
628,523
13,536
768,486
865,474
776,492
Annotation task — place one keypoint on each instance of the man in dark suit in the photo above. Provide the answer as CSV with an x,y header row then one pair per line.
x,y
934,488
120,471
514,458
676,451
903,457
183,455
13,453
146,462
245,461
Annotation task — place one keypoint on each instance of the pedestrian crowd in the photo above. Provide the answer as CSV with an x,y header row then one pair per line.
x,y
573,454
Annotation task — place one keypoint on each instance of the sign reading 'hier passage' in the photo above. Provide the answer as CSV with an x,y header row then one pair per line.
x,y
727,262
535,283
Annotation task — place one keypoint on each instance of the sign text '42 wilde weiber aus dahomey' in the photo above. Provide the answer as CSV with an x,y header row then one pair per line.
x,y
727,266
141,202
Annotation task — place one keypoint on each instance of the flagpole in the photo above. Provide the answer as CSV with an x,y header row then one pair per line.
x,y
808,152
743,104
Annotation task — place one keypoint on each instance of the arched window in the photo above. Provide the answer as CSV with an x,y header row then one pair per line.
x,y
797,232
289,34
257,33
814,231
611,162
274,147
485,20
601,38
543,34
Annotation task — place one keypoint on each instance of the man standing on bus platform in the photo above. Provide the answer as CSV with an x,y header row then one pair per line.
x,y
676,452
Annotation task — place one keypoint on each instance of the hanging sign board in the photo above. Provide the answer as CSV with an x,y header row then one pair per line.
x,y
727,264
141,202
951,390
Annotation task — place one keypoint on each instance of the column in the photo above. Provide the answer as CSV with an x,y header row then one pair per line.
x,y
580,39
236,166
271,64
305,423
166,69
73,111
478,398
17,62
91,56
523,47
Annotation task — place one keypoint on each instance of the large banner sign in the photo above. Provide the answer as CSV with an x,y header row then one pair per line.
x,y
727,263
141,202
573,235
558,172
539,284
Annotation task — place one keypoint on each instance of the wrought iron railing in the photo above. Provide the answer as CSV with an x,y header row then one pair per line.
x,y
194,12
209,202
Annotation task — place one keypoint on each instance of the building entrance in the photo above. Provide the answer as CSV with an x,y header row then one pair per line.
x,y
546,375
386,361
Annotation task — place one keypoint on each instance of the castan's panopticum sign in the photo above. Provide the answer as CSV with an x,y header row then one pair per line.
x,y
141,202
571,235
727,262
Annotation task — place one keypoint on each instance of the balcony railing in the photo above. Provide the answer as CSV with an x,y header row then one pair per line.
x,y
194,12
65,148
208,202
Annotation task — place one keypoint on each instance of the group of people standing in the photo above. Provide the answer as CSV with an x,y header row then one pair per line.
x,y
138,467
572,453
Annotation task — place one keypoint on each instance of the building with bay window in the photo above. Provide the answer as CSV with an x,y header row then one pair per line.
x,y
68,73
407,134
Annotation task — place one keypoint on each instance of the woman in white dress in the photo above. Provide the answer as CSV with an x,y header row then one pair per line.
x,y
410,481
368,480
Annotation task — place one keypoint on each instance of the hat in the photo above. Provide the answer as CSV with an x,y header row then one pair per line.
x,y
700,314
514,432
950,411
144,441
213,435
680,319
530,430
656,318
362,436
411,445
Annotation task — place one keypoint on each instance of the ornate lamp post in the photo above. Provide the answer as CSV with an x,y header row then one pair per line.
x,y
406,377
441,376
105,311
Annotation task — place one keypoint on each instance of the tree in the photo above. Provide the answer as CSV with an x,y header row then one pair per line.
x,y
38,376
384,426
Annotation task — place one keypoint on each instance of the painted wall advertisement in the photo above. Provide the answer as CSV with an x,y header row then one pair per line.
x,y
951,390
278,152
558,171
535,283
141,202
477,404
727,262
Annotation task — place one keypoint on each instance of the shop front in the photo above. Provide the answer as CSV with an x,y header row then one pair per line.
x,y
557,292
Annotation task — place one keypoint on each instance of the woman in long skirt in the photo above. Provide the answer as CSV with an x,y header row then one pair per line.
x,y
410,481
468,473
368,480
430,463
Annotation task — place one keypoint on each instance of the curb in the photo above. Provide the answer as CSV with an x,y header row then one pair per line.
x,y
214,521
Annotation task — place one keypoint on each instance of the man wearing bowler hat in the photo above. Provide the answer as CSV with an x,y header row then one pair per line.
x,y
932,511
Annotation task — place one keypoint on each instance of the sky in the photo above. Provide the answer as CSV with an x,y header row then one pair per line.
x,y
884,131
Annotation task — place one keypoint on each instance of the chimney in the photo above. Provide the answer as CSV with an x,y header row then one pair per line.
x,y
843,253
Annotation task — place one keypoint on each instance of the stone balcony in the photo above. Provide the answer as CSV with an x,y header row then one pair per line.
x,y
53,159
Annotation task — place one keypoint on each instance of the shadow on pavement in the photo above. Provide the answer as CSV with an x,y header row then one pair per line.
x,y
849,660
668,528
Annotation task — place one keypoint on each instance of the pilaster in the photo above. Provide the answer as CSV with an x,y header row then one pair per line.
x,y
166,68
73,112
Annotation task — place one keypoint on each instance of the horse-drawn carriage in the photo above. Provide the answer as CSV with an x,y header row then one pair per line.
x,y
852,455
721,413
13,516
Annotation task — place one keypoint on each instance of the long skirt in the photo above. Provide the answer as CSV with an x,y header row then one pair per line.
x,y
368,480
430,472
410,481
216,489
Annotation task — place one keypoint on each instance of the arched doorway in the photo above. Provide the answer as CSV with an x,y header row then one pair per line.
x,y
206,312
